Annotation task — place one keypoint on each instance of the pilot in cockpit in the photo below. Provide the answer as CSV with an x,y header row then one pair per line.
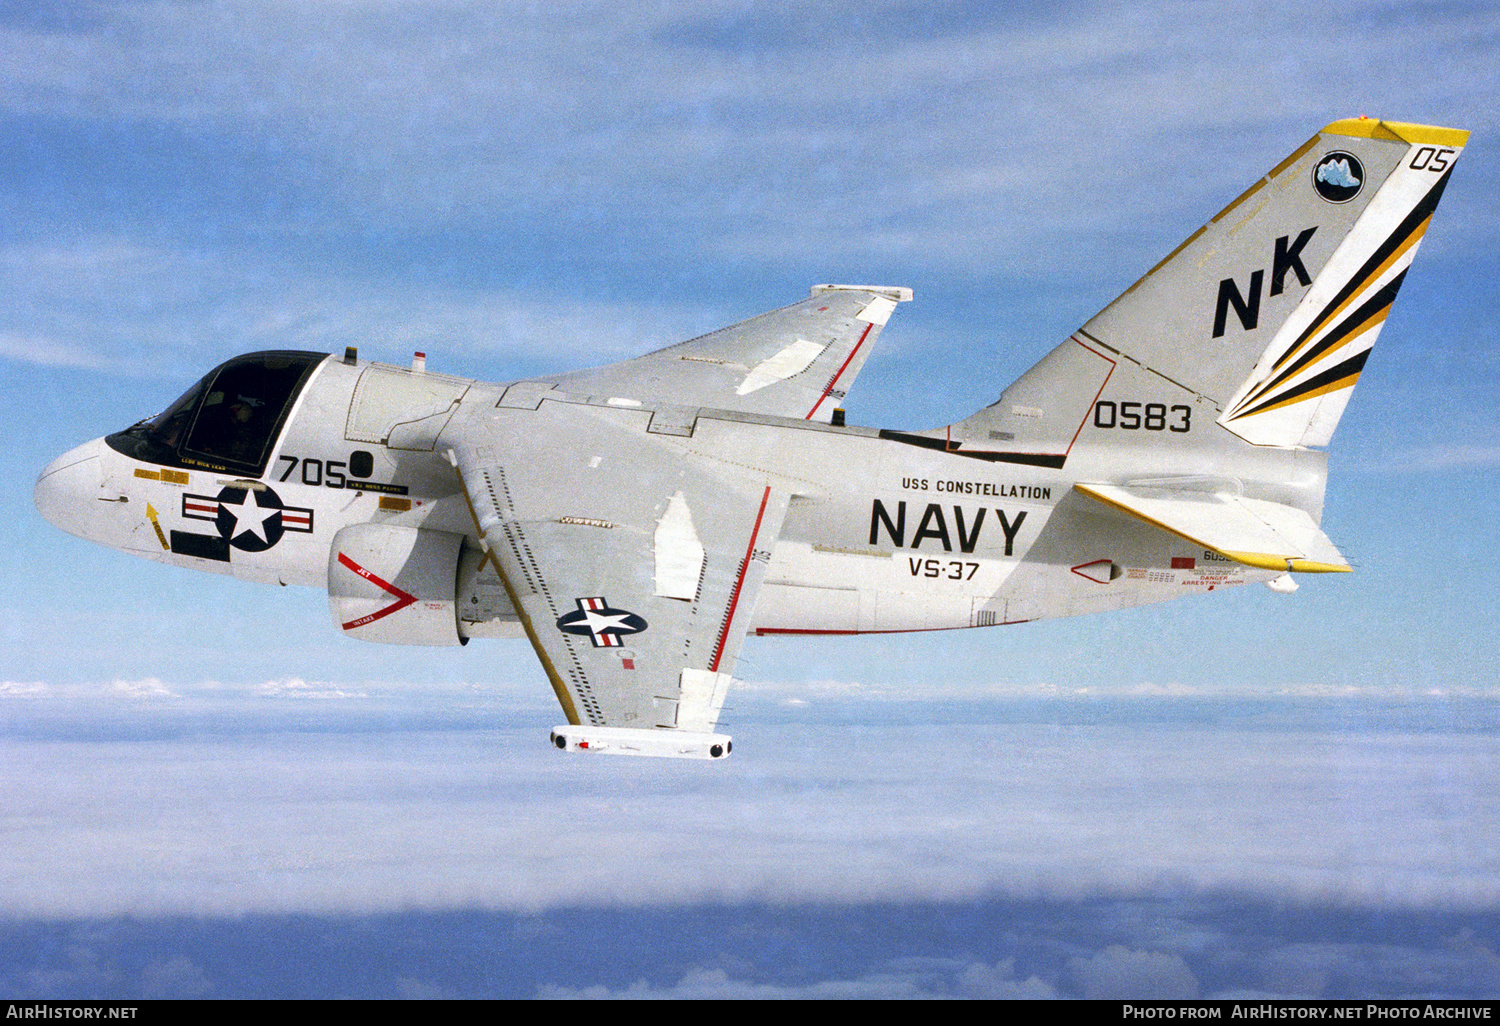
x,y
229,429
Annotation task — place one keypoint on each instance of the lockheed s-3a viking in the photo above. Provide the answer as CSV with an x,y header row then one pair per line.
x,y
637,521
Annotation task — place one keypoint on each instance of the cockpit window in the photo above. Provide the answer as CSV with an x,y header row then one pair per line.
x,y
229,420
169,427
243,408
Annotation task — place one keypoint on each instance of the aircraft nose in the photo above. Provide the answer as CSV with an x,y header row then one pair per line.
x,y
68,489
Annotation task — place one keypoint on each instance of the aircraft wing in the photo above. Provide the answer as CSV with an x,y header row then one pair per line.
x,y
634,568
1266,535
798,361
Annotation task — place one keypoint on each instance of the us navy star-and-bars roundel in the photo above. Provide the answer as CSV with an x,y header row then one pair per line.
x,y
602,625
249,519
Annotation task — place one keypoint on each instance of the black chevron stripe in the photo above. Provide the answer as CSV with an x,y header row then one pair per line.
x,y
1375,304
1351,366
1420,213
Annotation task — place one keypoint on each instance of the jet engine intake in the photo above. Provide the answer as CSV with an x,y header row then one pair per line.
x,y
395,585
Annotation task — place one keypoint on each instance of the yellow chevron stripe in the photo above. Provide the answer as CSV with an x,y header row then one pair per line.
x,y
1374,320
1347,381
1375,275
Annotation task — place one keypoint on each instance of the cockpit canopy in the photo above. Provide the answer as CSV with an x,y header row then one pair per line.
x,y
229,421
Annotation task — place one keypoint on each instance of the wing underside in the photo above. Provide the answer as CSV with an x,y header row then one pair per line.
x,y
633,568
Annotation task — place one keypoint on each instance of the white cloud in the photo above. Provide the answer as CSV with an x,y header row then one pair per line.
x,y
898,980
1441,456
309,816
176,977
1118,972
49,352
971,685
947,139
295,687
998,983
150,687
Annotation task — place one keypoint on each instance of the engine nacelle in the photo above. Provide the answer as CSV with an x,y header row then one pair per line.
x,y
396,585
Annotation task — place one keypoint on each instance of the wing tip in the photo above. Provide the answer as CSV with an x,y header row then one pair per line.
x,y
895,293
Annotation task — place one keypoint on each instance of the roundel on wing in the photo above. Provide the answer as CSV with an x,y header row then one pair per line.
x,y
1338,177
604,626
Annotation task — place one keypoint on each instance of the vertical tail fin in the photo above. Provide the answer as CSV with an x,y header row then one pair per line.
x,y
1259,323
1298,388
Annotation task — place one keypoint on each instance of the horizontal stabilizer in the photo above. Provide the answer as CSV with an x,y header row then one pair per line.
x,y
678,744
1265,535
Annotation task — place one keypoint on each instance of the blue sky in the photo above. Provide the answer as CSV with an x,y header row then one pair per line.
x,y
517,189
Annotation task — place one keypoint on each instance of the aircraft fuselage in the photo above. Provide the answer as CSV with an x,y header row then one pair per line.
x,y
881,535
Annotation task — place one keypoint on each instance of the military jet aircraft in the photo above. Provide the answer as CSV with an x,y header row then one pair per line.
x,y
637,521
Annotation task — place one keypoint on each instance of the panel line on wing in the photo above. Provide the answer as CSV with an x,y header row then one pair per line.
x,y
739,583
564,698
828,388
786,363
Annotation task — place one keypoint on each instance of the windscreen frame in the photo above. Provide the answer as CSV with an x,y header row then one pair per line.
x,y
224,447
